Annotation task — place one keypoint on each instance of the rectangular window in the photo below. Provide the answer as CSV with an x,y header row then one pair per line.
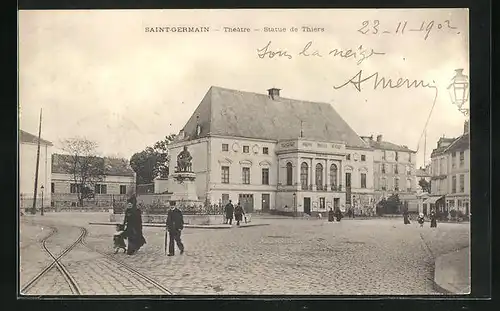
x,y
265,176
225,174
246,175
454,184
246,149
383,168
265,150
100,189
453,159
383,183
225,147
383,156
74,188
397,156
363,180
348,180
52,187
396,171
348,157
322,203
396,184
462,183
363,157
225,199
123,189
462,159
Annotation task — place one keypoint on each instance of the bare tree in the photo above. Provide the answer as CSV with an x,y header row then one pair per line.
x,y
84,165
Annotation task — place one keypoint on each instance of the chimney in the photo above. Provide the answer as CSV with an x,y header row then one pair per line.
x,y
379,138
466,127
273,93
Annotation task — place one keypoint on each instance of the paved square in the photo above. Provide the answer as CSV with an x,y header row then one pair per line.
x,y
288,256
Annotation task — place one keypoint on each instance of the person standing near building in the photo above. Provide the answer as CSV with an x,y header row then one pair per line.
x,y
238,213
228,210
331,215
433,219
175,224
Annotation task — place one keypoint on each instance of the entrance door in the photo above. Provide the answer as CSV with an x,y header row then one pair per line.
x,y
307,206
265,202
246,201
336,204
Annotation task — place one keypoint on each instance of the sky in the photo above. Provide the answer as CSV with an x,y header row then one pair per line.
x,y
101,75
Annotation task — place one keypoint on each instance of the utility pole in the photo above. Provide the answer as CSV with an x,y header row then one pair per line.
x,y
425,147
33,211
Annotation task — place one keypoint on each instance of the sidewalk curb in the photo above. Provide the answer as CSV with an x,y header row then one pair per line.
x,y
443,269
185,226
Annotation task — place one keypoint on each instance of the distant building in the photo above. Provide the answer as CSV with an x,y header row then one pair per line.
x,y
118,182
450,184
28,144
393,167
275,154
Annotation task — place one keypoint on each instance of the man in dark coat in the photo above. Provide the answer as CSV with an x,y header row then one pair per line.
x,y
175,224
228,210
331,215
238,213
433,219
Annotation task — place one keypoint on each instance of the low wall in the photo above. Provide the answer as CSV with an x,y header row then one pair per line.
x,y
188,219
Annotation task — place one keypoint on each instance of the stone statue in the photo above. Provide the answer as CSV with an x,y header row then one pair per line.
x,y
184,161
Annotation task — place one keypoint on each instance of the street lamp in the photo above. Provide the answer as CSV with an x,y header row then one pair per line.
x,y
41,210
294,204
459,91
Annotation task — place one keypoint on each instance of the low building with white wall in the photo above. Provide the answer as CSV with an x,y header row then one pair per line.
x,y
116,185
28,145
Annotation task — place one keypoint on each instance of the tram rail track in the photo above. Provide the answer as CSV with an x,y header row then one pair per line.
x,y
56,263
70,280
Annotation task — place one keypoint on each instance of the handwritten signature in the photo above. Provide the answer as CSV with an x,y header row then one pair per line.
x,y
360,54
382,82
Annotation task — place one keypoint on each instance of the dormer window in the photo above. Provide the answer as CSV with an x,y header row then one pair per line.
x,y
198,130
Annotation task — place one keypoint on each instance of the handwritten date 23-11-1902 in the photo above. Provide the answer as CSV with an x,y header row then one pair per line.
x,y
374,28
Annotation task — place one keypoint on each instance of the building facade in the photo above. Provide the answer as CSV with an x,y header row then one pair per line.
x,y
117,182
394,168
275,154
450,179
28,145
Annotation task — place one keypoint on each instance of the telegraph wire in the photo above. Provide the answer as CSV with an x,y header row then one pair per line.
x,y
428,118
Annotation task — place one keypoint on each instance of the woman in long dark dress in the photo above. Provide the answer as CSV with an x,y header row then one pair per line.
x,y
133,227
433,219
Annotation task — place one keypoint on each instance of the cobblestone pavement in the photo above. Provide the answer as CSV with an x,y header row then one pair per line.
x,y
290,256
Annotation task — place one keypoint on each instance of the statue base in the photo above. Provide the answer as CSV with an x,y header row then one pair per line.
x,y
161,185
182,186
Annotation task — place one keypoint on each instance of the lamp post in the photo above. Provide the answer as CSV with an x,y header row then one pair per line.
x,y
294,204
41,210
459,91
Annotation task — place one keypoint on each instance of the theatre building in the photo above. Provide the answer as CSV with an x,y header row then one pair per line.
x,y
274,154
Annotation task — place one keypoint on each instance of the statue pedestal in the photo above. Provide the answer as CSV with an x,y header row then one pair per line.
x,y
183,188
161,185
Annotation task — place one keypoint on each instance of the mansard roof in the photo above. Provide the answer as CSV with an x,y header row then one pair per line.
x,y
227,112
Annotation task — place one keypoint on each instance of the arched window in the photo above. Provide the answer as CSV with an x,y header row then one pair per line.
x,y
333,175
304,172
319,176
408,185
289,174
383,183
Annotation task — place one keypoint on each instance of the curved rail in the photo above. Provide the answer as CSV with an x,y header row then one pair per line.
x,y
67,276
129,268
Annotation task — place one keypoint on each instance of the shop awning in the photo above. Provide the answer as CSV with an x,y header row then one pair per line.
x,y
433,200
